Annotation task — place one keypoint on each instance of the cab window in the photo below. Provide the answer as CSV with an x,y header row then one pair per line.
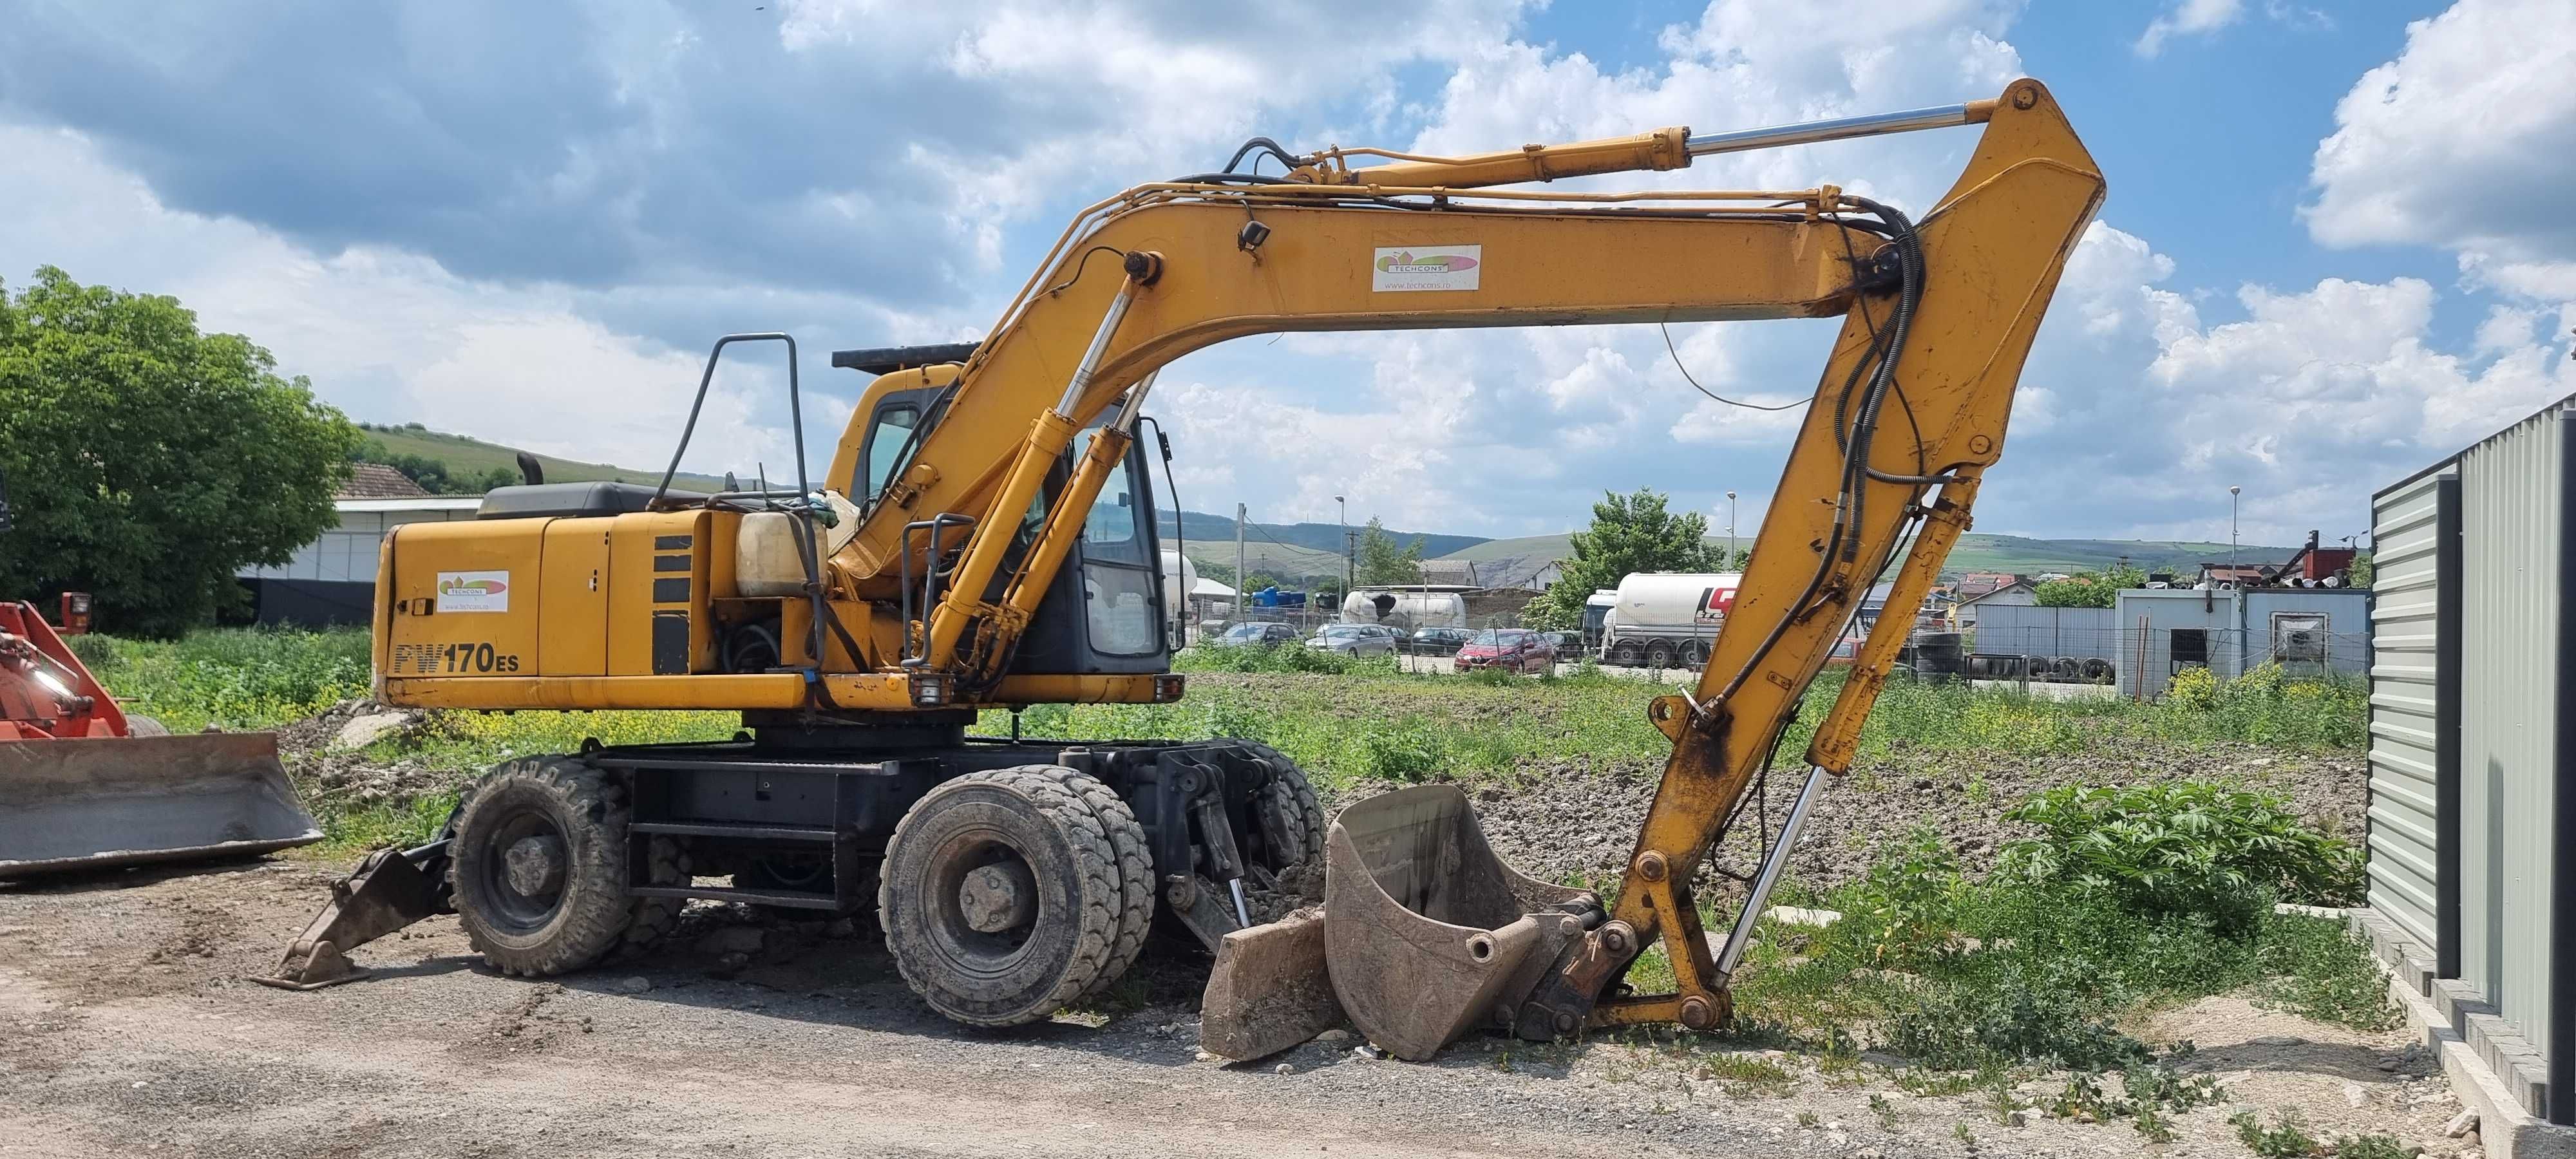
x,y
885,446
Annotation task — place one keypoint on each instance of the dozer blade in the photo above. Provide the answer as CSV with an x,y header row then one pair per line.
x,y
97,803
1425,934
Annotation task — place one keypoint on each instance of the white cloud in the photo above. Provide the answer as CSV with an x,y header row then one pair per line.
x,y
2340,382
1743,65
2466,142
385,335
2188,18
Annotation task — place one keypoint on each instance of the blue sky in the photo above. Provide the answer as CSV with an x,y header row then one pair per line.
x,y
2319,267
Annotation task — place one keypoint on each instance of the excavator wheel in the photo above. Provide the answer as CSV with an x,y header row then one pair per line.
x,y
1291,818
539,868
1135,869
1003,896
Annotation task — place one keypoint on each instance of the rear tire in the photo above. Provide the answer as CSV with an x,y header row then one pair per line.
x,y
1626,654
538,867
1047,852
137,724
1659,654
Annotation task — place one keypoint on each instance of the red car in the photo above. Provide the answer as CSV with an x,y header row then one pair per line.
x,y
1511,649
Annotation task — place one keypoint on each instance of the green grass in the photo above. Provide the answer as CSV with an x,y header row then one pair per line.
x,y
1968,975
1363,720
234,678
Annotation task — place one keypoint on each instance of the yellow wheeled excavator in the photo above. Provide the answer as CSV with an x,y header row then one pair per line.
x,y
984,537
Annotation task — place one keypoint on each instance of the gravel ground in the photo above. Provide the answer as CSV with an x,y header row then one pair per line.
x,y
127,1028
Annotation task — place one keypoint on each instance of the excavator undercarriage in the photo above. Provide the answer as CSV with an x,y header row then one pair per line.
x,y
984,539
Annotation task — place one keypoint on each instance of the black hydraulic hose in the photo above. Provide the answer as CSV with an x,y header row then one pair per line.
x,y
1266,145
1885,351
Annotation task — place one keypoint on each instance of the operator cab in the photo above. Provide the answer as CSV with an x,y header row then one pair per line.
x,y
1103,613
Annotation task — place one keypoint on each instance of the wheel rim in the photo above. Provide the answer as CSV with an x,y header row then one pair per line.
x,y
985,902
526,862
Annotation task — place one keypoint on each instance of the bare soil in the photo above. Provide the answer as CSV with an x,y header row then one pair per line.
x,y
127,1027
1577,821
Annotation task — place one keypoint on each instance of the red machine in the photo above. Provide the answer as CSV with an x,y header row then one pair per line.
x,y
84,786
45,691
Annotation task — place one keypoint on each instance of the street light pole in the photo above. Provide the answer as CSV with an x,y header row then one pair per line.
x,y
1730,529
2231,534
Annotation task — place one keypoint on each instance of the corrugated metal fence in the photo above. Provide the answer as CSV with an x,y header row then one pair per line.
x,y
2405,760
2472,840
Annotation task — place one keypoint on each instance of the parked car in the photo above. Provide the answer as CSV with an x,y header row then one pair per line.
x,y
1253,634
1435,641
1510,649
1568,645
1354,639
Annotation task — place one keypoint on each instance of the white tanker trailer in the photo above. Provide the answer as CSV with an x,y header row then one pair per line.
x,y
1667,619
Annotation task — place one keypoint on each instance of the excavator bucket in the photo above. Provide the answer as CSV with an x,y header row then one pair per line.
x,y
1424,934
100,802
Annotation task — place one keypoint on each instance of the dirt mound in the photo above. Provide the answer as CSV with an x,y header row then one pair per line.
x,y
344,779
1565,821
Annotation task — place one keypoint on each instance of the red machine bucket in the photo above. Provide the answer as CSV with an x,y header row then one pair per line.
x,y
93,804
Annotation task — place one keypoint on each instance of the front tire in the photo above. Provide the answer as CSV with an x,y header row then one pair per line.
x,y
538,867
1003,897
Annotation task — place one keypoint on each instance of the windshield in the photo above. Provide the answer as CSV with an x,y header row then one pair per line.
x,y
1245,631
1340,630
1497,637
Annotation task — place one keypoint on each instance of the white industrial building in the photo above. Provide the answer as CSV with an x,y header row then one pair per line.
x,y
332,580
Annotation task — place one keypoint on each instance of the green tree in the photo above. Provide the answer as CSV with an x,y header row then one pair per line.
x,y
148,462
2086,589
1629,533
2362,571
1382,562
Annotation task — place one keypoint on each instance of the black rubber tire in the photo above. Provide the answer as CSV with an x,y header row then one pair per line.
x,y
1659,654
988,979
589,914
1290,817
1627,654
1698,653
1135,869
137,724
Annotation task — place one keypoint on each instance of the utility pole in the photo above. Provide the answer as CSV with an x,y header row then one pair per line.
x,y
1350,548
1238,562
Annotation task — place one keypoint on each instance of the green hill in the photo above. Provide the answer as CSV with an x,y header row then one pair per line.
x,y
467,456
